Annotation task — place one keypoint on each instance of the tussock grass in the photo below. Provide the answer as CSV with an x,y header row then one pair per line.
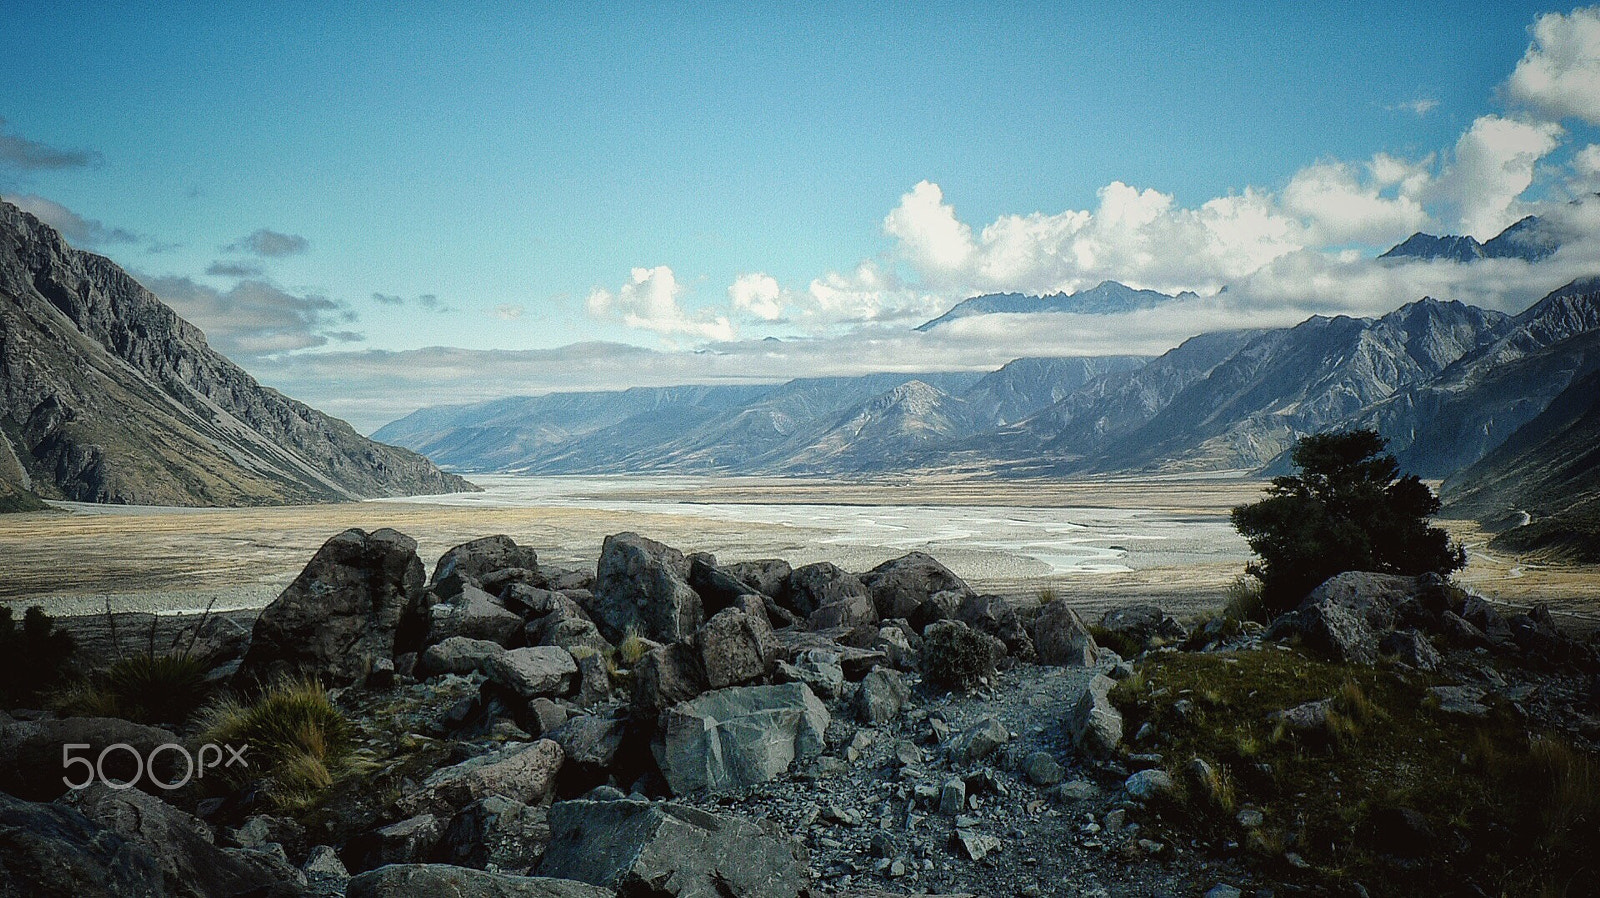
x,y
1048,594
144,688
632,648
1115,641
1510,814
1245,601
299,743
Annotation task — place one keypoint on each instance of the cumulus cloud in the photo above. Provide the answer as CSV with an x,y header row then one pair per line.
x,y
254,318
19,152
649,301
77,229
1418,107
508,311
757,294
1378,203
233,269
1493,165
1559,75
269,244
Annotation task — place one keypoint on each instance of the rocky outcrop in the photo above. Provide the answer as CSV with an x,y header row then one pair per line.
x,y
341,614
109,396
740,736
53,850
644,848
31,753
521,772
1060,637
900,585
642,586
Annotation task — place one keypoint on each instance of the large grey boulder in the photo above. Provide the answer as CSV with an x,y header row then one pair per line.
x,y
882,696
473,613
408,841
342,612
1143,625
53,851
446,881
995,616
458,655
736,647
533,671
816,586
496,834
184,849
640,848
31,764
900,585
524,772
768,576
472,562
666,675
739,736
717,588
642,585
1345,617
1061,638
1095,724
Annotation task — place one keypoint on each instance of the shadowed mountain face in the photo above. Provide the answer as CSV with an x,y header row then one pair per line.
x,y
106,395
1444,381
1530,240
1108,298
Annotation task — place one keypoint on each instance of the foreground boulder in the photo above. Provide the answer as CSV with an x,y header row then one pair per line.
x,y
1345,617
533,671
736,646
815,587
740,736
473,562
52,850
495,834
640,848
768,576
31,754
642,585
666,675
342,612
524,772
1144,626
1061,638
183,847
900,585
438,880
1095,724
475,614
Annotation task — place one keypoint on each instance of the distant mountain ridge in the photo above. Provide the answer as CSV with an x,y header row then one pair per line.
x,y
106,395
1107,298
1529,239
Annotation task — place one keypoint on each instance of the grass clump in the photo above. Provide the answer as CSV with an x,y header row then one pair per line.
x,y
1245,602
33,655
1048,594
299,743
1120,643
632,648
144,688
1505,813
956,656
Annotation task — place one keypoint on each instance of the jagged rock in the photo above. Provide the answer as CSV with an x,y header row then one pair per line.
x,y
572,634
1478,612
900,585
1344,616
642,585
717,588
850,611
1458,632
473,613
995,616
408,841
813,587
440,880
535,602
818,668
495,834
343,611
975,845
325,873
1061,638
533,671
739,736
735,647
31,764
1149,785
471,562
184,850
980,740
1536,634
1410,647
767,577
1144,625
1095,723
640,848
545,716
667,675
1461,701
940,606
855,662
1306,717
458,655
523,772
594,679
953,797
1042,769
590,741
883,694
898,647
53,850
565,579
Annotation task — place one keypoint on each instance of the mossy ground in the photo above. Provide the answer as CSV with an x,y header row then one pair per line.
x,y
1507,811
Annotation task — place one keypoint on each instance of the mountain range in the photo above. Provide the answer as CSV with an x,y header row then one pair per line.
x,y
107,395
1529,239
1107,298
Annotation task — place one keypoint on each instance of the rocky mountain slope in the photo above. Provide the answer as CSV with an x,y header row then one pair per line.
x,y
1529,239
106,395
1107,298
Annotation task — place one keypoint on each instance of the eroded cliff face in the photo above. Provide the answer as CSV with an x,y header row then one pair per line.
x,y
106,395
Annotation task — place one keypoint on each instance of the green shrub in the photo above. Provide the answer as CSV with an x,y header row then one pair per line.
x,y
955,656
299,743
33,657
144,688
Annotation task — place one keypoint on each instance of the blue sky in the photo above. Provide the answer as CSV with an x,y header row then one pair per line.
x,y
518,178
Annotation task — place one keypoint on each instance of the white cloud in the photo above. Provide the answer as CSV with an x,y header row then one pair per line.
x,y
74,227
1344,206
649,301
1494,163
508,311
757,294
1559,75
1419,107
255,318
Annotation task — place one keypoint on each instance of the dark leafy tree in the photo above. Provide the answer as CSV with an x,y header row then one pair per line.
x,y
1348,509
33,657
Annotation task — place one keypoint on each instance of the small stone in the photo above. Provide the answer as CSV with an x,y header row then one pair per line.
x,y
1042,769
952,797
1223,890
1250,818
1114,820
1148,785
976,846
1077,790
